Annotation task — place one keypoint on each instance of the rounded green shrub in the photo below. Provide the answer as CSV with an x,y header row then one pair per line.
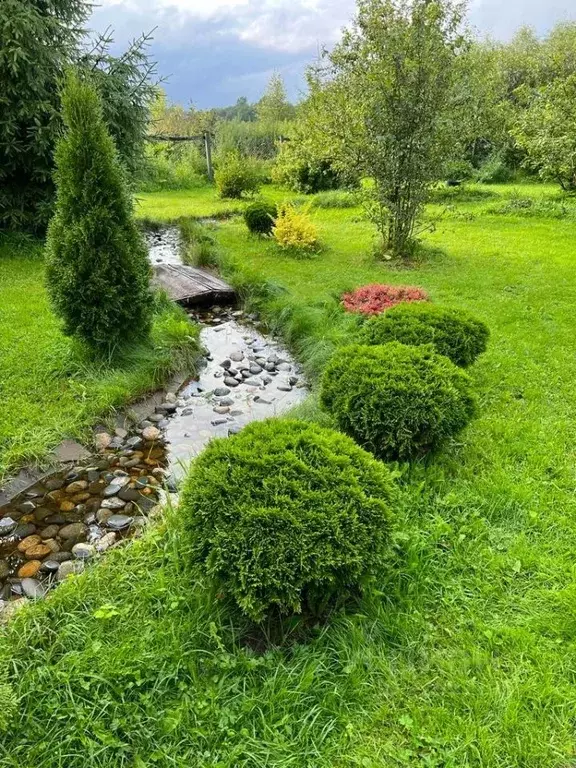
x,y
395,400
452,332
237,176
287,514
260,216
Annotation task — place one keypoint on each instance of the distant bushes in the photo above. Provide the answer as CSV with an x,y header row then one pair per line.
x,y
287,515
260,217
452,332
237,176
172,168
397,401
337,198
300,171
375,298
294,231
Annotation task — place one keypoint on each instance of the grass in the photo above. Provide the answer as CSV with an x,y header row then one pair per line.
x,y
48,389
465,658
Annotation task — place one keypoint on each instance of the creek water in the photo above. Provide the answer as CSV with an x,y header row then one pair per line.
x,y
70,517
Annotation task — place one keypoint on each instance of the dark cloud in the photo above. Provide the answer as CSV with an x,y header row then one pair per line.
x,y
214,51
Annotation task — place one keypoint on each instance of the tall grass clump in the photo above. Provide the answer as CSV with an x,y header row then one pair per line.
x,y
287,516
97,267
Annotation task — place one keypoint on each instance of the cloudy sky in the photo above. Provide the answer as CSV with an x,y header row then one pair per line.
x,y
214,51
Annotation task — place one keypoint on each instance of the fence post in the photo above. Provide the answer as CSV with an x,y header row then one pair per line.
x,y
208,148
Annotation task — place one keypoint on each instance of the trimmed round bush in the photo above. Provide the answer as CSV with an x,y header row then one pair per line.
x,y
452,332
395,400
260,217
287,514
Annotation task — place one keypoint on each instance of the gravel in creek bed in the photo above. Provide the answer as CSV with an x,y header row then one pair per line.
x,y
62,523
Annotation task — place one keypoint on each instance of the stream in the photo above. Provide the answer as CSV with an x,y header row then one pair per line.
x,y
72,516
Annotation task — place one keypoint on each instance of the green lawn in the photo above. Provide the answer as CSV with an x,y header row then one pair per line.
x,y
466,658
48,390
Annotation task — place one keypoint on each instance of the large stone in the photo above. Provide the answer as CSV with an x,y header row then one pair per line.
x,y
33,589
29,570
77,486
74,531
7,525
105,542
83,551
113,503
237,357
28,542
102,440
230,382
119,522
49,532
221,392
70,568
38,552
151,433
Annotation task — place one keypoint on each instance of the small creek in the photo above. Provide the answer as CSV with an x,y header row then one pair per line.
x,y
72,516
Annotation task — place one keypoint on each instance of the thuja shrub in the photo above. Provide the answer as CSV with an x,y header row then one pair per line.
x,y
376,298
286,515
294,231
395,400
237,176
97,266
260,217
452,332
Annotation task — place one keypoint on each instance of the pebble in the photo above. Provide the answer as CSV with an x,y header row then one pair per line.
x,y
77,486
105,542
7,525
102,441
49,566
221,392
83,551
73,531
151,433
237,357
230,382
218,422
54,484
69,568
226,364
29,570
33,589
121,433
119,522
284,387
113,503
221,409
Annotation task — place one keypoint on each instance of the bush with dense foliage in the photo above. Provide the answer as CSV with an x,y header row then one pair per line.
x,y
237,176
286,515
296,169
260,217
452,332
294,231
395,400
376,298
97,267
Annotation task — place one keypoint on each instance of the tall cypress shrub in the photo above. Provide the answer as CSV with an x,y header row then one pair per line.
x,y
97,267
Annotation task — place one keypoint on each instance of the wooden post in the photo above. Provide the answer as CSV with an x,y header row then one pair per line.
x,y
208,147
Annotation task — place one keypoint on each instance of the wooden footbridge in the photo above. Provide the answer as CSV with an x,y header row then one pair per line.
x,y
192,286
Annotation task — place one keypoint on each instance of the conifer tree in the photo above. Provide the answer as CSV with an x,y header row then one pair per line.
x,y
98,272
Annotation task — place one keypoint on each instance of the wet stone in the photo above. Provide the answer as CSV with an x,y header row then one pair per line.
x,y
4,569
73,531
69,568
7,526
77,486
119,522
221,392
33,589
27,507
54,484
60,557
29,570
49,566
113,503
83,551
49,532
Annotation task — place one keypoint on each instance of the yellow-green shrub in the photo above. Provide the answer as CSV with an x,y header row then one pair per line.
x,y
294,230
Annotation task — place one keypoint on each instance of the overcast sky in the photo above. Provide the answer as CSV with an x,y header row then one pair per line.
x,y
214,51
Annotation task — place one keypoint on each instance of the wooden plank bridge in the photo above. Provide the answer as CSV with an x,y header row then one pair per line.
x,y
192,286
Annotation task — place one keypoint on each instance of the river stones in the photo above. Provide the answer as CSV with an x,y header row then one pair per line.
x,y
69,568
151,433
7,525
74,531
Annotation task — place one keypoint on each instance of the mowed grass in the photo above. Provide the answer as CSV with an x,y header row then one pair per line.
x,y
466,655
48,389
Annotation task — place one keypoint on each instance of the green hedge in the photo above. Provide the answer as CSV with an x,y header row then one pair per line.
x,y
286,515
452,332
395,400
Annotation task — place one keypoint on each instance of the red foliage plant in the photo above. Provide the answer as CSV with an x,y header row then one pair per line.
x,y
373,299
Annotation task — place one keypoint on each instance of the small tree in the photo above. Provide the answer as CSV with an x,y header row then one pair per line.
x,y
274,106
383,103
98,272
547,132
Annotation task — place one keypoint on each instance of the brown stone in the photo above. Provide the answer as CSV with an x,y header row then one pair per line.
x,y
56,496
78,498
77,486
28,518
67,506
73,531
29,541
37,552
29,570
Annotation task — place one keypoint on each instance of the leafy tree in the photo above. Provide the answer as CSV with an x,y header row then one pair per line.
x,y
383,100
97,267
274,106
37,41
547,132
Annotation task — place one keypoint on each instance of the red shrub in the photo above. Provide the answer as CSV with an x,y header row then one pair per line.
x,y
373,299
